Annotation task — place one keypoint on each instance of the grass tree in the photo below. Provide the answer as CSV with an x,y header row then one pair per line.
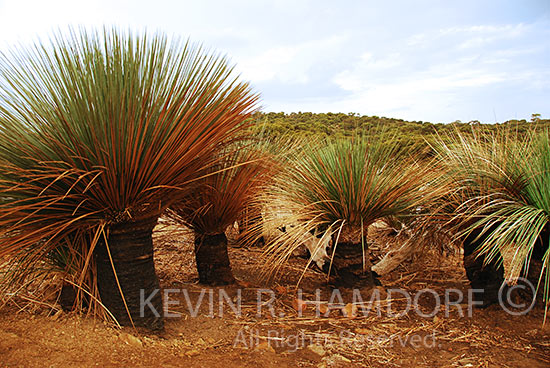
x,y
100,131
501,205
218,201
342,186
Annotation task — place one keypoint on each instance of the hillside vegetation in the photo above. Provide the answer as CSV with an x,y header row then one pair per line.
x,y
409,134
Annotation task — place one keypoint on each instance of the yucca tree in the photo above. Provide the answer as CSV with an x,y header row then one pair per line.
x,y
100,131
344,185
501,206
218,201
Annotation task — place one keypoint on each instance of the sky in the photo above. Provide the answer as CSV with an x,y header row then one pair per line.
x,y
437,61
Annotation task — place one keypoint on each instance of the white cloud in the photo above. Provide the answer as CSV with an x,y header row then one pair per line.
x,y
271,64
470,36
24,20
366,71
288,64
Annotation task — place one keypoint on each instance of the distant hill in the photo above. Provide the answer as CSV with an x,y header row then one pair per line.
x,y
409,134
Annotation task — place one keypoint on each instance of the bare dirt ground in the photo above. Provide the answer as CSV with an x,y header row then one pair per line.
x,y
354,334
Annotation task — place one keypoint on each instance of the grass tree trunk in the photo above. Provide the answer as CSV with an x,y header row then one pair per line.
x,y
352,266
536,264
212,259
68,298
542,244
131,249
487,278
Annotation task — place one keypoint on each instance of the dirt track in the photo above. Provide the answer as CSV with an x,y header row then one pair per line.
x,y
489,338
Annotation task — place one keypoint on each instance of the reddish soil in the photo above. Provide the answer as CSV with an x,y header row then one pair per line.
x,y
488,338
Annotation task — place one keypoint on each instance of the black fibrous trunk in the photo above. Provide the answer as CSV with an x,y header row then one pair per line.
x,y
213,260
490,277
352,266
542,244
68,298
131,249
487,277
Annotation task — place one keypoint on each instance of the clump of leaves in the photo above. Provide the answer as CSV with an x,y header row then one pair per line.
x,y
341,186
100,131
500,187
